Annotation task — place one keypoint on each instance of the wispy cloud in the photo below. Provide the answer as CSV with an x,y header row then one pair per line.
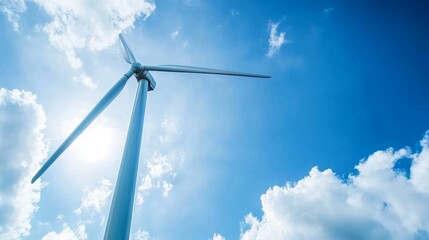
x,y
12,10
170,131
175,33
85,80
380,202
94,200
23,147
276,40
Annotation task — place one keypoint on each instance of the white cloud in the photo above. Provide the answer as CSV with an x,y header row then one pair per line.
x,y
158,166
276,40
170,130
94,25
82,24
85,80
158,169
12,9
141,235
166,188
22,147
175,33
93,201
379,202
68,234
217,236
170,126
91,206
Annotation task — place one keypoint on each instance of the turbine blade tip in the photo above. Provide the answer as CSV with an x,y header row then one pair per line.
x,y
126,51
34,179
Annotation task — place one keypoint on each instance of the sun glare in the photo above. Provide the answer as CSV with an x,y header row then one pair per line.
x,y
94,143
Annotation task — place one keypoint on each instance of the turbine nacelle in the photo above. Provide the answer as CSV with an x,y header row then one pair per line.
x,y
140,74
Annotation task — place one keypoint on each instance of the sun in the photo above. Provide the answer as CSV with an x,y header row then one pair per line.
x,y
94,143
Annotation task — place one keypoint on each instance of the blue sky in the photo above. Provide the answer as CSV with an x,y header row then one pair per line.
x,y
222,157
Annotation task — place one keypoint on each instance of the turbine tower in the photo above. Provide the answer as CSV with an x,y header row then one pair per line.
x,y
119,222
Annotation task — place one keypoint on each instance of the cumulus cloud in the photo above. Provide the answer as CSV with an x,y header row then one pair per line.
x,y
158,169
12,9
22,147
93,24
276,40
68,234
217,236
82,24
380,201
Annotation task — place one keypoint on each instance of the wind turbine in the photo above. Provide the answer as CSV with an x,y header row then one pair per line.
x,y
119,222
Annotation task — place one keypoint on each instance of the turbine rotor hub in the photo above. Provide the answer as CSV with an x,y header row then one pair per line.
x,y
141,74
136,67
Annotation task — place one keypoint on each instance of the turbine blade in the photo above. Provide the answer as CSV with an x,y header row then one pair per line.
x,y
190,69
126,52
101,105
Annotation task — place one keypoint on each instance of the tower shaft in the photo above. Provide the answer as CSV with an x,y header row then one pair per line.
x,y
119,222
